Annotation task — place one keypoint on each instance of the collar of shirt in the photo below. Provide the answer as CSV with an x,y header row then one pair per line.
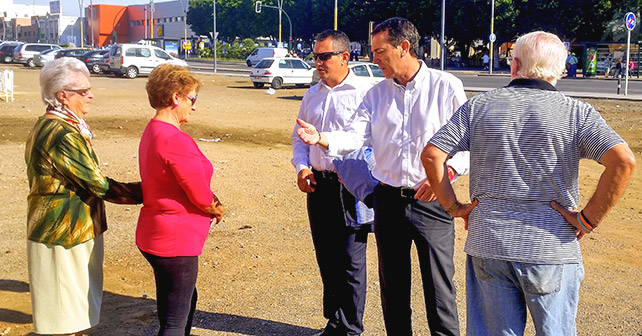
x,y
530,83
420,76
350,82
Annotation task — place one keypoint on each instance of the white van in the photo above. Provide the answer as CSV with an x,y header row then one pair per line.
x,y
134,59
260,53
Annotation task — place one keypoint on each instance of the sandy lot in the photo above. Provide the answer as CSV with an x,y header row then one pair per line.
x,y
258,274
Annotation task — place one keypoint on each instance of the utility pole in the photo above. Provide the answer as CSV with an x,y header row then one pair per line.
x,y
82,40
214,33
336,15
151,21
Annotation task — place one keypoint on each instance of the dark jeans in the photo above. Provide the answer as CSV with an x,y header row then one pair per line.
x,y
401,220
341,256
175,292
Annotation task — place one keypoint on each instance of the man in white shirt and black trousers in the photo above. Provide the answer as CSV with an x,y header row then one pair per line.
x,y
340,248
397,118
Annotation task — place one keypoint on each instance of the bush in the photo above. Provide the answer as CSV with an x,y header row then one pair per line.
x,y
233,51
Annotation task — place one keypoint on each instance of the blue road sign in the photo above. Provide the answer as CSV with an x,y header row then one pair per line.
x,y
629,21
492,37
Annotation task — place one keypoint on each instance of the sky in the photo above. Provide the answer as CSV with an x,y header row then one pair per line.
x,y
71,7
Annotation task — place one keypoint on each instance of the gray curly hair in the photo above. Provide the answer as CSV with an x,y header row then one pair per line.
x,y
57,75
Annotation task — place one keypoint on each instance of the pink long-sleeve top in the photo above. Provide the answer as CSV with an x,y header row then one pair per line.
x,y
176,190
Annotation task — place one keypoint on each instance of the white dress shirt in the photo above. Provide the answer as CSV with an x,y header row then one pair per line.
x,y
397,122
328,109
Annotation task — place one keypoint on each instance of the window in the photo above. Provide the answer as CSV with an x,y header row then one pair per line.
x,y
285,64
361,71
376,71
161,54
299,65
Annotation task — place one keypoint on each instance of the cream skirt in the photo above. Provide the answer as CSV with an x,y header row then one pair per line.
x,y
66,286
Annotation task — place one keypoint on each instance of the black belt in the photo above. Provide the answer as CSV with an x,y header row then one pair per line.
x,y
406,192
325,174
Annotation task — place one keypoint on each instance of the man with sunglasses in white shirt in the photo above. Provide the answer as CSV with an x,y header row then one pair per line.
x,y
340,248
397,118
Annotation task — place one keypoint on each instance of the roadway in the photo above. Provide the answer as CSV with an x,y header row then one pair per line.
x,y
474,80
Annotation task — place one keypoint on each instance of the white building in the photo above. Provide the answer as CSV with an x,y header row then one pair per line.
x,y
59,29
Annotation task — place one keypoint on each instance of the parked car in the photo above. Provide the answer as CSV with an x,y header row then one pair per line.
x,y
25,52
42,58
91,59
280,71
260,53
6,51
70,52
103,63
134,59
369,73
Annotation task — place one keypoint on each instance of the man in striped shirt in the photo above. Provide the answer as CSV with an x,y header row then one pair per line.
x,y
525,142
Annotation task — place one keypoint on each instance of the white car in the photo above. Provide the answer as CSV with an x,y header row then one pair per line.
x,y
369,73
280,71
134,59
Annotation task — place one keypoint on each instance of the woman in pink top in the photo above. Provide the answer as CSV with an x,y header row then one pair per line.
x,y
178,205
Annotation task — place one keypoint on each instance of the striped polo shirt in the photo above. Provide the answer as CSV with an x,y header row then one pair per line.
x,y
525,142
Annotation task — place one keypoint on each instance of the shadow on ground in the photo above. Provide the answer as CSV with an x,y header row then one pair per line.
x,y
126,315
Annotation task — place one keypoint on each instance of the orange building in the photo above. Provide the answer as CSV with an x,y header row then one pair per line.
x,y
107,24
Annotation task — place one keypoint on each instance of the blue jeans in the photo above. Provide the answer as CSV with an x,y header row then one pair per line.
x,y
498,293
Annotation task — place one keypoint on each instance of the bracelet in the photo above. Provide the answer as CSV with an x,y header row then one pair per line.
x,y
583,222
319,138
453,207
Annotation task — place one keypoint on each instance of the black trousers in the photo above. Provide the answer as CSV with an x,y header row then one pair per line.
x,y
401,220
175,292
341,256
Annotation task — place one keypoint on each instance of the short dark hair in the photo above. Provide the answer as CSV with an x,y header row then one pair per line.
x,y
399,29
340,41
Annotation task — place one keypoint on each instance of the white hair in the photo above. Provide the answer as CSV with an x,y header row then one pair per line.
x,y
59,74
541,55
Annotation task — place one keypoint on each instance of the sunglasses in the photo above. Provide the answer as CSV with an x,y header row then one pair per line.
x,y
326,55
192,98
82,92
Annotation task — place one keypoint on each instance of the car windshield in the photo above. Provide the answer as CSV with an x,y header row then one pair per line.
x,y
264,64
48,51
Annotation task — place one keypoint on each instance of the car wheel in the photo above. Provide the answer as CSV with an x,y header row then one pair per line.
x,y
258,85
277,83
30,63
95,68
132,72
248,63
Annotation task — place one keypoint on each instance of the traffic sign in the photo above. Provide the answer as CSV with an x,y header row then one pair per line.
x,y
492,37
187,45
629,21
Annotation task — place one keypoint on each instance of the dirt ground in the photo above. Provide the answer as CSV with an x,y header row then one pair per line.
x,y
258,274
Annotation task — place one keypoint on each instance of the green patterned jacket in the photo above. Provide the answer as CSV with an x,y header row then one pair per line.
x,y
67,188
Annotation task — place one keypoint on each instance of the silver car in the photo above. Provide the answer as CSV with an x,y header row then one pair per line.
x,y
25,52
134,59
48,55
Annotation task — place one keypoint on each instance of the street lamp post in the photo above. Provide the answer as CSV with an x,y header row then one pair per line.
x,y
442,41
492,34
336,15
82,40
214,33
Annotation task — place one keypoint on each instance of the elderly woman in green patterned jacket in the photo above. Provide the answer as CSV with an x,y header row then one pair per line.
x,y
66,210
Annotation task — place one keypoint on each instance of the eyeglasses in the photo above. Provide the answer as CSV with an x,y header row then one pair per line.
x,y
82,92
326,55
192,98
